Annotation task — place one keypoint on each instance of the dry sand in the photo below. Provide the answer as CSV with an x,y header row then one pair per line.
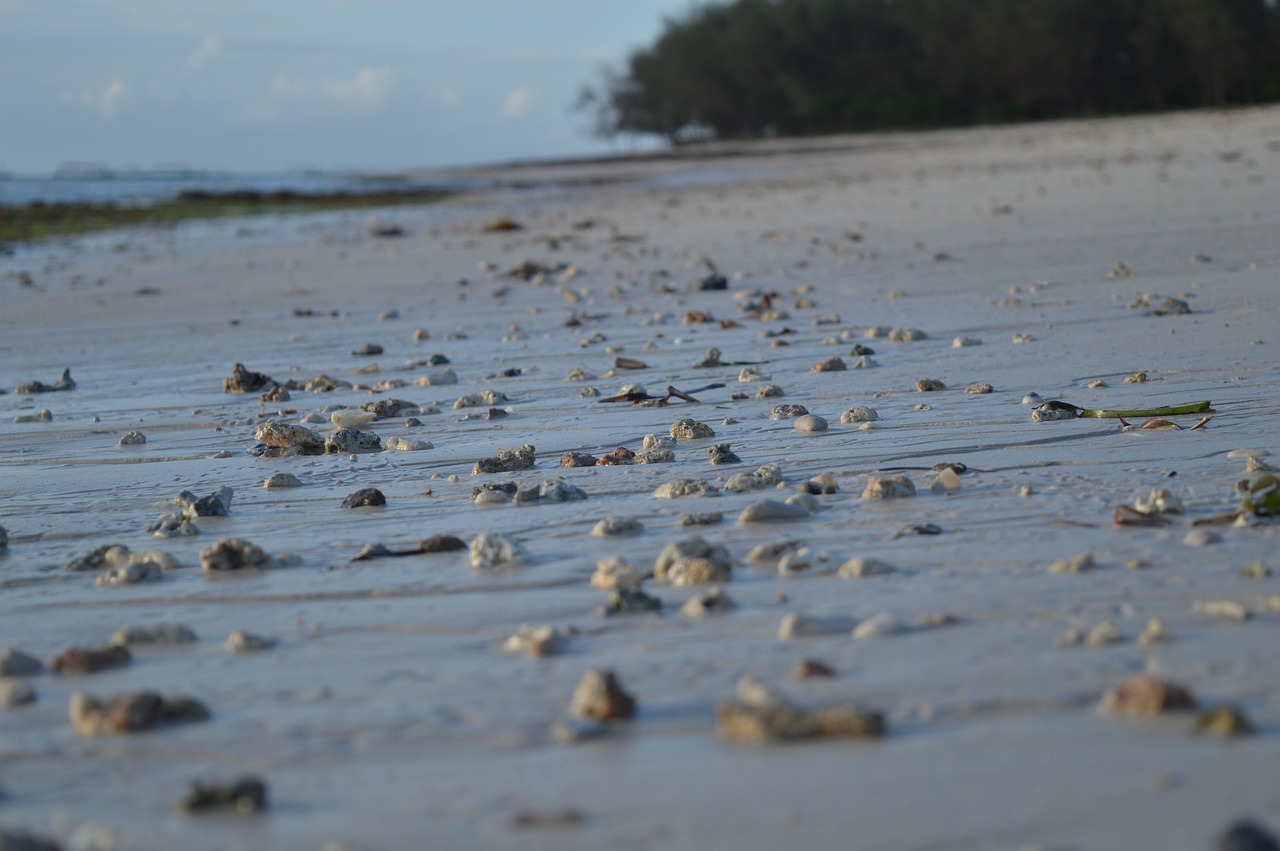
x,y
388,716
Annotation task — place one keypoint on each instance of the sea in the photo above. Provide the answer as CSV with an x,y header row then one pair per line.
x,y
100,185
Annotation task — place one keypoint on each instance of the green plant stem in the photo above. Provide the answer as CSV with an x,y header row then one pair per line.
x,y
1170,411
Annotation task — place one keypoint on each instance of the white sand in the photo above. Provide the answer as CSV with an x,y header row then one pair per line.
x,y
388,717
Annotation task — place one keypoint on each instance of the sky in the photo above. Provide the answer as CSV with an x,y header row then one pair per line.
x,y
264,85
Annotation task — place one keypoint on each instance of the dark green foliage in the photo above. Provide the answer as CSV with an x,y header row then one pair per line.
x,y
750,68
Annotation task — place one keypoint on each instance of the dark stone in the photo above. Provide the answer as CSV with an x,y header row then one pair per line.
x,y
1246,835
364,497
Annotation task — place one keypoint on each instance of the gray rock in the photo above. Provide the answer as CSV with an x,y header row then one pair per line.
x,y
769,509
16,663
347,441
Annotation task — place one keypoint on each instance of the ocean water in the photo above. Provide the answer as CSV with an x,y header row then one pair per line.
x,y
100,185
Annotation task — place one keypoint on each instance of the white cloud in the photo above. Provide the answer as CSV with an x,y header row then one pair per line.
x,y
519,102
111,95
369,86
208,49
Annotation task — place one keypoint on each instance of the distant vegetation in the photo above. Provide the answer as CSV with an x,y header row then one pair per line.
x,y
751,68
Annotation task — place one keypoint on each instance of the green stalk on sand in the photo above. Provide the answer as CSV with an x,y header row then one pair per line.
x,y
1173,410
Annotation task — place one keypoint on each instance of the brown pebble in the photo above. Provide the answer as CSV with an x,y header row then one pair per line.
x,y
441,544
577,459
601,697
1143,695
364,497
760,724
84,660
809,668
132,713
1225,721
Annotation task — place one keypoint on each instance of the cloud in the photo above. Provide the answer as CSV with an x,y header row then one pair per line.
x,y
369,86
109,98
208,49
518,103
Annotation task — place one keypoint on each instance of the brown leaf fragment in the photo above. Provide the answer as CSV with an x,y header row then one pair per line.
x,y
1161,424
1202,423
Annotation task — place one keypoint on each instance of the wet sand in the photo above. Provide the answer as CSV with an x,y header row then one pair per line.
x,y
388,716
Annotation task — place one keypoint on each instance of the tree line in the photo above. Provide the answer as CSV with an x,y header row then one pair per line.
x,y
750,68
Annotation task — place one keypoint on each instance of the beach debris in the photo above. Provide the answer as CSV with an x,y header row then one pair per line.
x,y
501,224
880,625
16,663
722,454
1223,609
43,416
655,456
274,395
365,497
496,551
713,601
173,524
536,642
690,429
289,436
1120,271
132,713
768,391
981,388
1254,570
752,373
831,364
693,561
761,716
1160,501
801,562
617,458
439,378
554,490
578,459
319,384
1246,835
1081,563
1103,634
160,634
347,441
1145,695
629,601
245,380
601,697
1126,516
612,526
764,477
1260,502
783,412
13,694
1225,721
859,414
216,504
240,641
245,795
236,554
769,554
64,382
629,363
483,399
965,342
763,510
90,660
810,424
491,493
862,566
889,487
95,559
133,438
282,480
685,489
798,624
823,483
810,669
1155,632
947,481
351,418
929,385
907,335
701,518
615,572
507,460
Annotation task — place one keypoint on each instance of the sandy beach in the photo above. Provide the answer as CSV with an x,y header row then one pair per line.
x,y
388,714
